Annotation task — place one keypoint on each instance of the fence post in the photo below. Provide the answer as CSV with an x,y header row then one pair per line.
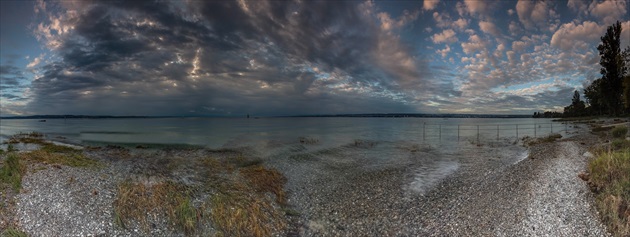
x,y
477,134
424,131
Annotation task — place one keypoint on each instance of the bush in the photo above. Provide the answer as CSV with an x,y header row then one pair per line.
x,y
610,179
620,132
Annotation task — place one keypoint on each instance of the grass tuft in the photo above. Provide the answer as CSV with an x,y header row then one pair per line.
x,y
241,200
12,232
73,159
238,214
620,132
12,171
138,201
610,177
547,139
266,180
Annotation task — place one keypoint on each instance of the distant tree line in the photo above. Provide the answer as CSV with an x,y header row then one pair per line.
x,y
610,94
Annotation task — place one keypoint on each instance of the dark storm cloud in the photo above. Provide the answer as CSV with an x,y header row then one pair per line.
x,y
10,75
271,57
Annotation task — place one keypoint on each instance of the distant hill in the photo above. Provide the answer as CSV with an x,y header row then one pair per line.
x,y
73,117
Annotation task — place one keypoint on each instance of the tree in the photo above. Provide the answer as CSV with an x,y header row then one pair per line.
x,y
593,93
613,69
577,107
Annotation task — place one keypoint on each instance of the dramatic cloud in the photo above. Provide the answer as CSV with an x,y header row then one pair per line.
x,y
299,57
572,35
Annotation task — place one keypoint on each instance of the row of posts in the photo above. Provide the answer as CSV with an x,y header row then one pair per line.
x,y
424,129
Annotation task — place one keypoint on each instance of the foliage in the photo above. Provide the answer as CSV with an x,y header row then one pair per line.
x,y
610,179
610,94
620,132
577,107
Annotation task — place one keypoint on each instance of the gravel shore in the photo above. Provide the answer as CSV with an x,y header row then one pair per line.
x,y
538,196
486,190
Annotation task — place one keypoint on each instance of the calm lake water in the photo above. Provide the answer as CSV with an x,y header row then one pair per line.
x,y
436,147
238,132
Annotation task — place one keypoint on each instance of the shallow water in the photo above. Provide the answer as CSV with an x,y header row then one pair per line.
x,y
442,146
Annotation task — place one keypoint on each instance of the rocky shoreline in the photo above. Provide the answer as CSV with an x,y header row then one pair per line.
x,y
337,192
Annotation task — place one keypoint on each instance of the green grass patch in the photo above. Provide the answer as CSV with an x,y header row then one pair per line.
x,y
620,132
74,159
12,171
610,178
12,232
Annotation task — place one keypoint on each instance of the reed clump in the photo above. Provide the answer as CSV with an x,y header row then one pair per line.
x,y
609,178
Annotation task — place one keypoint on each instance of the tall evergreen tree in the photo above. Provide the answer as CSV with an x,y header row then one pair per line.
x,y
613,69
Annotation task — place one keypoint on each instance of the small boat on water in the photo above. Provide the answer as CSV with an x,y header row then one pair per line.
x,y
43,120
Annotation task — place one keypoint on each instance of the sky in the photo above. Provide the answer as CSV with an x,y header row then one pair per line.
x,y
265,58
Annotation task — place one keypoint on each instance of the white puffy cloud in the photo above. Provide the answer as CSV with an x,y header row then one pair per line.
x,y
573,35
474,44
514,28
387,23
476,6
532,13
579,6
447,36
460,24
444,52
519,46
608,11
489,28
442,20
430,4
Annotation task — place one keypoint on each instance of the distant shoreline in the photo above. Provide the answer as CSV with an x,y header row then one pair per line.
x,y
377,115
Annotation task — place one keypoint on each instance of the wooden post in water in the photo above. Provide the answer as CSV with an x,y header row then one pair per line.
x,y
535,128
477,133
551,127
497,132
424,131
440,128
457,132
517,132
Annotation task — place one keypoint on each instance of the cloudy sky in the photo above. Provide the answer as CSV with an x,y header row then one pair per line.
x,y
299,57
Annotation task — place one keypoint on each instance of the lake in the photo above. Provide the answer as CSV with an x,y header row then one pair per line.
x,y
238,132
